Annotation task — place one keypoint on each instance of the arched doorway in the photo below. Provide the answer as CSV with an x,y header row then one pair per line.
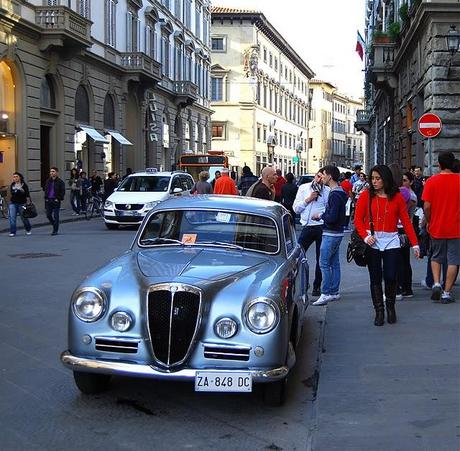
x,y
8,157
48,117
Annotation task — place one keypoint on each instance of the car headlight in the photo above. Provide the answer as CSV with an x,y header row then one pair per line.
x,y
108,204
150,205
89,304
261,315
225,328
121,321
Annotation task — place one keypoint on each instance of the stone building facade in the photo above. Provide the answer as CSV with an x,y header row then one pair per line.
x,y
105,84
409,72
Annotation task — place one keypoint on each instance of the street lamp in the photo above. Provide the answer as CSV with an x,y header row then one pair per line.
x,y
271,143
453,40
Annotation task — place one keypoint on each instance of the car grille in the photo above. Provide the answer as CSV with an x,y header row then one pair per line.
x,y
129,207
226,353
117,345
173,317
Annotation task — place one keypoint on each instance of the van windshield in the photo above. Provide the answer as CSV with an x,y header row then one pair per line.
x,y
145,183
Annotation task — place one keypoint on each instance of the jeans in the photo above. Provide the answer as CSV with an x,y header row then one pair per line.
x,y
308,236
390,259
330,264
52,212
14,210
405,270
75,201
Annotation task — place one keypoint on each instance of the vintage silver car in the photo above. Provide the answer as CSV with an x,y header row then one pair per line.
x,y
213,290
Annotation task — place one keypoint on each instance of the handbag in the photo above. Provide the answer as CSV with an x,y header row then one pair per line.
x,y
29,210
357,249
403,238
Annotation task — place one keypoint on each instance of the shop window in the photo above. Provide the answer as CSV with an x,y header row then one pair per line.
x,y
81,105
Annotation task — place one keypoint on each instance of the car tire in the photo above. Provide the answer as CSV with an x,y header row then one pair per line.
x,y
111,226
91,383
275,393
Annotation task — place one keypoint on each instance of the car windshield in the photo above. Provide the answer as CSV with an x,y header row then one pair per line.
x,y
211,227
145,183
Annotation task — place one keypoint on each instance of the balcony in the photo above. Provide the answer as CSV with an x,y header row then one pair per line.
x,y
63,28
363,120
141,68
381,66
186,93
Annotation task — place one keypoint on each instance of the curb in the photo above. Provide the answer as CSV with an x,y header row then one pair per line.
x,y
43,223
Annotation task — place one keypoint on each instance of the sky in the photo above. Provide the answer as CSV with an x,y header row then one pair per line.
x,y
322,32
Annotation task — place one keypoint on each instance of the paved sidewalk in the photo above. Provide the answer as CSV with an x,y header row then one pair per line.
x,y
389,388
65,215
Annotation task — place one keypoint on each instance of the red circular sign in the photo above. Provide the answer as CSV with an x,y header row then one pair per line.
x,y
429,125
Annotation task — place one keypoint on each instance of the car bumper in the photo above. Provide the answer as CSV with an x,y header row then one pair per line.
x,y
147,371
110,218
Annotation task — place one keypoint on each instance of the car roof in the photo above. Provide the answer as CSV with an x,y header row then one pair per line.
x,y
235,203
157,174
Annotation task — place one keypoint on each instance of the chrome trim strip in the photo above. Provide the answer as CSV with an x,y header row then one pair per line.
x,y
133,369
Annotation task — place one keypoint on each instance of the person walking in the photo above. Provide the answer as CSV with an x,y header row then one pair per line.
x,y
347,187
225,185
441,204
85,190
388,207
334,220
110,183
20,195
75,191
288,194
355,177
265,187
54,195
247,180
312,198
280,181
217,175
96,183
202,186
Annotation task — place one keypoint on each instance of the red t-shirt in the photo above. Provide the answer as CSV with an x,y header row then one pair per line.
x,y
278,185
225,185
442,191
347,186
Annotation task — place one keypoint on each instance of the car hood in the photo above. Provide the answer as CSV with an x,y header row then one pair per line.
x,y
130,197
207,264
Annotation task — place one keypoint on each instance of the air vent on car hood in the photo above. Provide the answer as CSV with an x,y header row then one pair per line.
x,y
125,346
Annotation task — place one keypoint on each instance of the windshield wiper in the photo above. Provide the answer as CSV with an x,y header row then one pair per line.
x,y
222,243
161,241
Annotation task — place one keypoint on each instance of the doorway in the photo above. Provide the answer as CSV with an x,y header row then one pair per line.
x,y
45,133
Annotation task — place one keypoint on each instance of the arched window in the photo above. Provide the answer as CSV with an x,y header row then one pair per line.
x,y
109,113
47,97
81,105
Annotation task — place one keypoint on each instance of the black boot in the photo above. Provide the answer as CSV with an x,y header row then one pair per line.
x,y
390,297
377,300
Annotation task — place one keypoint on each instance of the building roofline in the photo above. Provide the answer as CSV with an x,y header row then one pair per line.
x,y
260,21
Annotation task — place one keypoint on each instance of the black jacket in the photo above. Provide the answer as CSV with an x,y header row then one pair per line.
x,y
59,188
19,196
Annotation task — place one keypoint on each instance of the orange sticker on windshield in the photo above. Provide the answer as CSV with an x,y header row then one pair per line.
x,y
189,238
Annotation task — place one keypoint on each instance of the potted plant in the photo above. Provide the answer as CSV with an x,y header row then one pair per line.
x,y
380,37
393,31
404,13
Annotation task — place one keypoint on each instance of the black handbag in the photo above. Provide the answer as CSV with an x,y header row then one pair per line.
x,y
357,249
29,211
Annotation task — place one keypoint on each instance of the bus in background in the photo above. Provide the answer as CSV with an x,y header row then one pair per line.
x,y
211,162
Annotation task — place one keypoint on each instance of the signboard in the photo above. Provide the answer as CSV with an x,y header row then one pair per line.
x,y
207,160
429,125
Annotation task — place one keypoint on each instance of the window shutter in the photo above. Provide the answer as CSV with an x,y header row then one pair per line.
x,y
129,32
147,40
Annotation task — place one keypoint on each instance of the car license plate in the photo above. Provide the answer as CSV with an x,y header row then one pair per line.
x,y
129,213
223,382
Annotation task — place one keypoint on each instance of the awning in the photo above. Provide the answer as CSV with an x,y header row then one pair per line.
x,y
94,134
120,138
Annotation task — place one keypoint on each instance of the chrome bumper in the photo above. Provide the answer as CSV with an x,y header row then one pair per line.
x,y
136,370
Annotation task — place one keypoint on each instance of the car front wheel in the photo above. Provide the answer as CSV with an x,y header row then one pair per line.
x,y
275,393
91,383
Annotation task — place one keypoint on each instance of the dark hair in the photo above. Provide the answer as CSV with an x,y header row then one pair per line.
x,y
389,186
110,175
246,170
409,175
347,175
21,177
289,177
82,172
54,168
74,173
333,171
396,172
456,166
446,160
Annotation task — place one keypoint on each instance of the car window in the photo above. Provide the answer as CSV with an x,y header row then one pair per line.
x,y
214,227
288,237
187,182
176,183
147,183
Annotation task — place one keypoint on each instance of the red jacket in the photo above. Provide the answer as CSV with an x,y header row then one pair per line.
x,y
385,214
225,185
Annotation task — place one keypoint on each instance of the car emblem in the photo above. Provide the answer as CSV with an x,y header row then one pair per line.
x,y
128,206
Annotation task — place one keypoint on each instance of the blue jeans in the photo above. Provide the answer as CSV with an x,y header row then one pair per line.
x,y
330,264
75,201
14,210
308,236
52,212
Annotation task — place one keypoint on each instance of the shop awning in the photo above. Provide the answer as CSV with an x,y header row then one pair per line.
x,y
93,134
120,138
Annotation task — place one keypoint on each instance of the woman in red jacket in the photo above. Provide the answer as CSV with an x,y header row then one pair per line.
x,y
388,207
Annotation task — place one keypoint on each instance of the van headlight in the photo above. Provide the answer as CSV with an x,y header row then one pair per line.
x,y
261,315
89,304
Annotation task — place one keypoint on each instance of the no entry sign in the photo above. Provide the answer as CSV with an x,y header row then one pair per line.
x,y
429,125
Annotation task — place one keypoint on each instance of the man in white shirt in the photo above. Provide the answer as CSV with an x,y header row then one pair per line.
x,y
312,198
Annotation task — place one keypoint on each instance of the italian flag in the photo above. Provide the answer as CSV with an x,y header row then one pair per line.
x,y
360,45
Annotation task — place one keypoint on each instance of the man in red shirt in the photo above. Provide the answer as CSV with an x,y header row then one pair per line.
x,y
441,196
347,187
278,185
225,185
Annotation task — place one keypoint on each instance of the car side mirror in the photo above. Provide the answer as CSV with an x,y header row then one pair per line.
x,y
176,190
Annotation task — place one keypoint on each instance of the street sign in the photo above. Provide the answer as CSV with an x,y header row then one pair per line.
x,y
429,125
295,160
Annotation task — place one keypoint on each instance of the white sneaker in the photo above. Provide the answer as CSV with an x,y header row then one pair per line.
x,y
12,234
424,285
29,233
399,297
322,300
335,297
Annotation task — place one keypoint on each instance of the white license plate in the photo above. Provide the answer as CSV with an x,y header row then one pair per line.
x,y
223,382
129,213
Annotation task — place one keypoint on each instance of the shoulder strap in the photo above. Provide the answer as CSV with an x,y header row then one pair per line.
x,y
371,219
